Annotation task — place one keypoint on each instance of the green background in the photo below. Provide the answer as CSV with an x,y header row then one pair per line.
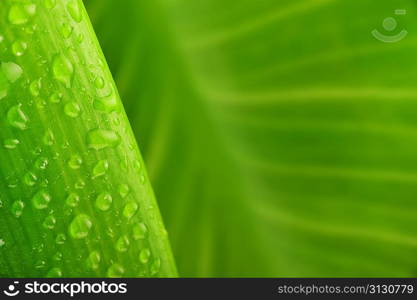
x,y
280,136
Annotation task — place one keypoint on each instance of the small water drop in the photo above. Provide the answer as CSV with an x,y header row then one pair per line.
x,y
12,183
156,266
30,178
20,14
41,163
35,87
62,70
41,199
100,139
2,243
54,273
144,255
19,47
48,138
49,4
72,200
74,10
80,184
100,168
11,143
49,222
106,104
99,82
130,209
40,264
93,260
60,239
55,97
12,71
57,256
72,109
104,201
75,162
80,226
123,190
17,118
139,231
115,271
80,38
122,244
17,208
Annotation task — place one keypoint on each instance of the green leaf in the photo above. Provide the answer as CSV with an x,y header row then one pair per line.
x,y
75,199
279,135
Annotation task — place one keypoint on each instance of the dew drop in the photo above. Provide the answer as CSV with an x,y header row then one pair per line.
x,y
17,208
12,71
72,109
80,226
104,201
75,162
144,256
80,38
20,14
55,97
2,243
66,30
99,82
41,199
115,271
17,118
41,163
72,200
11,144
156,266
12,183
49,222
130,209
60,239
74,10
54,273
19,47
100,139
122,244
50,4
106,104
123,190
140,231
48,138
62,70
40,264
30,179
93,260
100,168
80,184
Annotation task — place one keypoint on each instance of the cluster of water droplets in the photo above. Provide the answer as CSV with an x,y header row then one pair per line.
x,y
105,102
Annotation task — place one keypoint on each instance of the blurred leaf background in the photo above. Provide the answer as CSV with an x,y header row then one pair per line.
x,y
280,135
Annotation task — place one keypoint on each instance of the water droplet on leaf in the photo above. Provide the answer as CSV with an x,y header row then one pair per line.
x,y
17,118
80,226
100,139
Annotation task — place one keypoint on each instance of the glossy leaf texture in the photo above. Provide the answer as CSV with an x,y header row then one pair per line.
x,y
279,134
75,199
